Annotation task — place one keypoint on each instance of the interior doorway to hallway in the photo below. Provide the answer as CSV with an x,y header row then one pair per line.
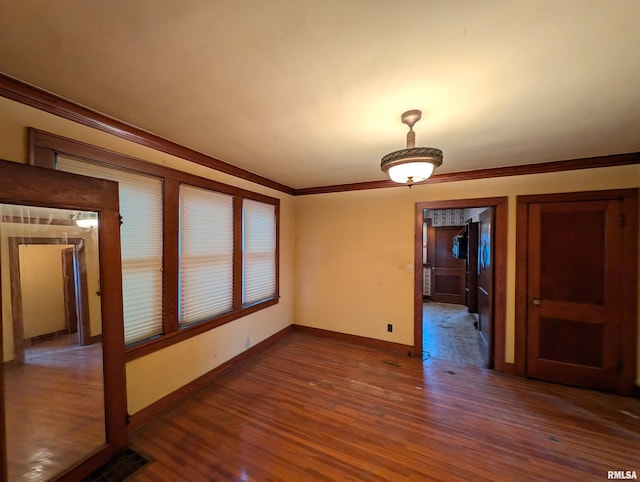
x,y
464,289
456,326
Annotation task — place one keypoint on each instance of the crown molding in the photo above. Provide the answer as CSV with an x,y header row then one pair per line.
x,y
19,91
545,167
23,93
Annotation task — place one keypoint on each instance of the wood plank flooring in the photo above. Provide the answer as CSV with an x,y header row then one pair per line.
x,y
448,333
54,409
311,408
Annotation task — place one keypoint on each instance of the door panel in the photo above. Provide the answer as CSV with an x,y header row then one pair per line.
x,y
64,415
69,280
448,273
573,313
485,278
471,267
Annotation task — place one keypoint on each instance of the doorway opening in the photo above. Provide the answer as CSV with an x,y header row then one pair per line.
x,y
456,327
50,294
460,281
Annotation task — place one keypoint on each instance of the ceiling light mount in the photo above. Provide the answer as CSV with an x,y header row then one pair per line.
x,y
413,164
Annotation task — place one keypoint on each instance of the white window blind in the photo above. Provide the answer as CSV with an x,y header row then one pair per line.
x,y
141,245
206,254
258,251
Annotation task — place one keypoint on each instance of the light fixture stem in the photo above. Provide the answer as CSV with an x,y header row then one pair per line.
x,y
411,138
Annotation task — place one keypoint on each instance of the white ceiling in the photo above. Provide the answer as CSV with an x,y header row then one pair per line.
x,y
310,92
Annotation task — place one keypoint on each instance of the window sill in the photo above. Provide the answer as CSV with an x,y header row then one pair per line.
x,y
159,342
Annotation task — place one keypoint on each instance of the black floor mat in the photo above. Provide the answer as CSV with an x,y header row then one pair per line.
x,y
118,469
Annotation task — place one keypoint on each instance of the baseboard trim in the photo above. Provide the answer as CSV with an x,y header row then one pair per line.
x,y
358,340
48,336
506,368
153,411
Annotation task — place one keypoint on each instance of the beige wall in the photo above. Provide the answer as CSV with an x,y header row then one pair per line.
x,y
42,289
153,376
353,249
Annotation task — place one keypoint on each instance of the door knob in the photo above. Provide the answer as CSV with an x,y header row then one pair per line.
x,y
535,302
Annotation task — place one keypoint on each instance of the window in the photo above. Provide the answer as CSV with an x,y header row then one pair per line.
x,y
206,254
141,245
196,253
258,251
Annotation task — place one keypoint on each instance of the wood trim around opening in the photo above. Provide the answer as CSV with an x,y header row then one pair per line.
x,y
24,184
629,289
500,231
16,290
43,148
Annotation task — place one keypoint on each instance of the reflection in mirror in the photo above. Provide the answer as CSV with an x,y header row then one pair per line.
x,y
51,339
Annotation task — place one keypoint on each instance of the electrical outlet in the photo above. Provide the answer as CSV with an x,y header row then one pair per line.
x,y
389,327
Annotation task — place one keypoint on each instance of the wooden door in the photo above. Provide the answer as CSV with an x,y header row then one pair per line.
x,y
69,288
448,273
471,266
574,278
485,279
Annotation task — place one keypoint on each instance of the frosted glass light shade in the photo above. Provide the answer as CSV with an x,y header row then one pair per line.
x,y
411,165
411,171
87,220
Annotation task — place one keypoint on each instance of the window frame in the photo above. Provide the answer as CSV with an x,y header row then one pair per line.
x,y
141,265
43,149
245,303
184,259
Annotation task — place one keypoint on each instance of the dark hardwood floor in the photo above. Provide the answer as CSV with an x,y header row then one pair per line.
x,y
311,408
54,408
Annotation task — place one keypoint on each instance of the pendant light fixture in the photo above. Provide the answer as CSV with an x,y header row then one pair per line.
x,y
413,164
87,219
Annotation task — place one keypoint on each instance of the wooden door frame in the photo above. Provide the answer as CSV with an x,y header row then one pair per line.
x,y
629,288
500,205
489,332
35,186
16,290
